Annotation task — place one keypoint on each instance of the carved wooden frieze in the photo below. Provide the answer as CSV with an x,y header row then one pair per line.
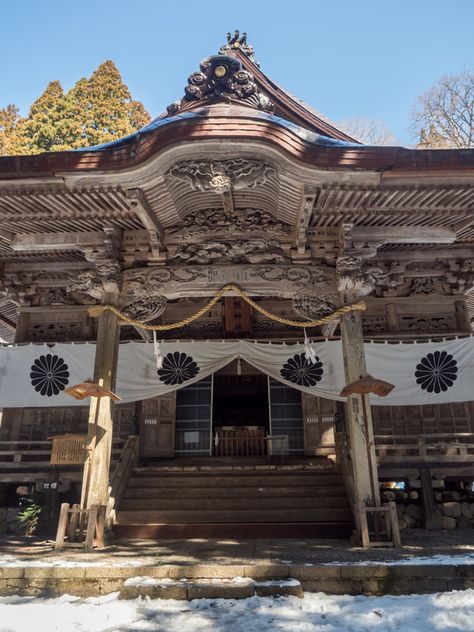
x,y
314,306
228,222
357,276
145,308
223,175
259,280
239,251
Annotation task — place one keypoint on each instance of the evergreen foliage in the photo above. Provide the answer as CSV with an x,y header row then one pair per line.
x,y
9,118
95,111
27,520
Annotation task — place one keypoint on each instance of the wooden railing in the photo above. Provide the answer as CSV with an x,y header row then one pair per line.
x,y
33,453
243,441
400,448
127,461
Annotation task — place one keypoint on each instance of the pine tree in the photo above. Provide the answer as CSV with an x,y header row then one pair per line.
x,y
101,109
39,131
95,111
9,118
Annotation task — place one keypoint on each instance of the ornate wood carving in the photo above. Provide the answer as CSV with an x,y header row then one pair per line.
x,y
218,221
240,251
272,280
356,276
223,175
221,78
313,306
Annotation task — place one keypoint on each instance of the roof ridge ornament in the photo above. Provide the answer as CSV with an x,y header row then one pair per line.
x,y
221,78
238,42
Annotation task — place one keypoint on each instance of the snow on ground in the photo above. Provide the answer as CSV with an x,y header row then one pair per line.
x,y
430,560
443,612
9,560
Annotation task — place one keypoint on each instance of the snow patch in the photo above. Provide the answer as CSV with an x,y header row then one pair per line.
x,y
441,612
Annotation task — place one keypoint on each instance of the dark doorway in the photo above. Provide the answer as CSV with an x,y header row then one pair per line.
x,y
240,415
240,400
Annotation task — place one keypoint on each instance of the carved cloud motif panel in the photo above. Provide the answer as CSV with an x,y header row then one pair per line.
x,y
221,176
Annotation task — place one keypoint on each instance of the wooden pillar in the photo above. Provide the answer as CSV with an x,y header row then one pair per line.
x,y
359,425
95,481
463,322
431,514
391,317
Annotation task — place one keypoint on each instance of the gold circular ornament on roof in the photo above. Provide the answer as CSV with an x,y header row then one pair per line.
x,y
220,71
236,44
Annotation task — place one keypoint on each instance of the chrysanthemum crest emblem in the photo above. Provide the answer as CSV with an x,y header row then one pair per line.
x,y
436,372
302,371
177,368
49,375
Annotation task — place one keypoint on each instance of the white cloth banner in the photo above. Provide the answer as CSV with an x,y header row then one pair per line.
x,y
187,362
37,374
423,373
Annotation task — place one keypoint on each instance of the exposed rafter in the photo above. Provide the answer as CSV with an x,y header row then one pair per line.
x,y
141,208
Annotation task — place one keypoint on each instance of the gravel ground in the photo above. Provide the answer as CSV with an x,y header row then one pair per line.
x,y
416,542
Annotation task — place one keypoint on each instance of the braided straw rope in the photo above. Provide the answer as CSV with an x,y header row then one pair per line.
x,y
99,309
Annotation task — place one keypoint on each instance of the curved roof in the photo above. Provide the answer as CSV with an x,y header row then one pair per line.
x,y
240,123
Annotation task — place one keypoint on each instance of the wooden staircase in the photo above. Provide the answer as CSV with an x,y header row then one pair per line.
x,y
234,503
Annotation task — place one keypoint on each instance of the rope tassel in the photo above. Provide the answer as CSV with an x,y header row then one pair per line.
x,y
157,351
309,352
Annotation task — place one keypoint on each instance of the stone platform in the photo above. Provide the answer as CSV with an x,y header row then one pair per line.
x,y
187,569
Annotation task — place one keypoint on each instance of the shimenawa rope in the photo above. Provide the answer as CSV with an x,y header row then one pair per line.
x,y
96,310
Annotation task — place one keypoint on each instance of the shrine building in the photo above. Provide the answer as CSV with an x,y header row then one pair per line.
x,y
282,312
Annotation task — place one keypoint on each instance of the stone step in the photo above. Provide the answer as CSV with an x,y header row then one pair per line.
x,y
323,514
237,588
242,480
231,501
300,530
301,491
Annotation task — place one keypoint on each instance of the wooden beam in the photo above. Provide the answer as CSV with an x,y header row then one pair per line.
x,y
139,205
26,242
6,235
6,322
404,234
228,201
307,201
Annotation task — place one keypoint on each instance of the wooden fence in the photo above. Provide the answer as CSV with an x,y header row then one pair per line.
x,y
439,447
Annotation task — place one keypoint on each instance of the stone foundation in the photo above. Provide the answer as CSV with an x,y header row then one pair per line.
x,y
456,508
220,581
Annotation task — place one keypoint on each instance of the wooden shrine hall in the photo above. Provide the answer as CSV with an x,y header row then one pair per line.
x,y
237,184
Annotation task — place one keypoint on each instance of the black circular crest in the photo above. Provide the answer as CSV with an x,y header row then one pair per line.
x,y
177,368
436,372
49,375
301,371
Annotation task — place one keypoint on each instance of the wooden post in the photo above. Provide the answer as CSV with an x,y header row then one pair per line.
x,y
359,425
395,529
95,482
431,515
62,526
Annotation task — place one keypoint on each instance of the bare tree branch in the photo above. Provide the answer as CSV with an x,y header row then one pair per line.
x,y
443,116
368,131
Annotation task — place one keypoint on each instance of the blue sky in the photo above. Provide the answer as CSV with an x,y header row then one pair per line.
x,y
360,58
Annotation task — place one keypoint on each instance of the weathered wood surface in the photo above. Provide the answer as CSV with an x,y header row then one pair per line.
x,y
359,426
95,488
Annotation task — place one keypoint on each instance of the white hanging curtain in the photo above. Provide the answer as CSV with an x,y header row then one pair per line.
x,y
37,374
424,373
